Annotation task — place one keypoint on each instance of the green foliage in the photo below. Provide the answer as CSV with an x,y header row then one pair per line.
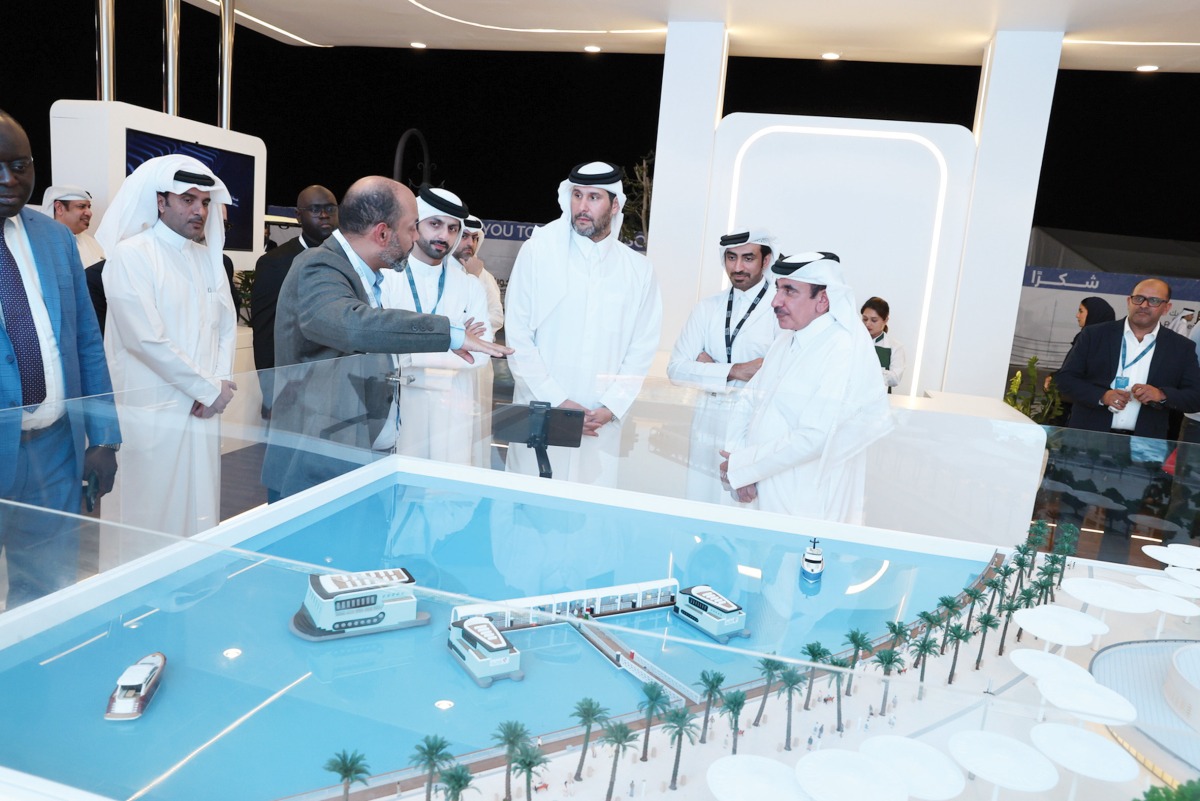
x,y
639,187
1184,792
1042,405
243,282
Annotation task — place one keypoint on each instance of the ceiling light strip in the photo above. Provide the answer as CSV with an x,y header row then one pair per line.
x,y
271,27
429,10
1130,44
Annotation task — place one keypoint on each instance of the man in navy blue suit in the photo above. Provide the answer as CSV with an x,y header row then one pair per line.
x,y
1125,376
50,351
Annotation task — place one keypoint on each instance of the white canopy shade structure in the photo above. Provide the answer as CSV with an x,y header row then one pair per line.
x,y
1107,596
1185,574
1089,701
1084,753
1004,761
1174,555
1169,585
1058,625
929,774
745,777
1042,665
835,774
1167,604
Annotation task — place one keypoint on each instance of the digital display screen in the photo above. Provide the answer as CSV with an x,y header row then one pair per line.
x,y
236,171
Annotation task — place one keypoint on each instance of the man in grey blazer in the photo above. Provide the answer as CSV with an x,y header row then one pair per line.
x,y
50,352
332,414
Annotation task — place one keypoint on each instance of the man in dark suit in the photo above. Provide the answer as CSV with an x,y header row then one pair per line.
x,y
50,352
332,414
317,210
1126,376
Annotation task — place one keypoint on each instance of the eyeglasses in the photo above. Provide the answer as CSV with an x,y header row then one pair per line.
x,y
18,166
317,209
1141,300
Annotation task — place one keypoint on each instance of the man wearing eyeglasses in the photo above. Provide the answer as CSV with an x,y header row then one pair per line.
x,y
50,350
316,208
1124,377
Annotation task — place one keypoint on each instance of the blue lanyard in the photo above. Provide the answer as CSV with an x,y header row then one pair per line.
x,y
417,298
1138,358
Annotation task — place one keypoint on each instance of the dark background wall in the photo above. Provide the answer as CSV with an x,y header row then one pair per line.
x,y
505,127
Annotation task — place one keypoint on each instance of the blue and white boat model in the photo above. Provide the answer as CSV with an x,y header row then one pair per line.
x,y
484,651
813,566
348,604
711,612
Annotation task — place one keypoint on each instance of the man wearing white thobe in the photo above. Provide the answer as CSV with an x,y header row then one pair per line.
x,y
719,350
466,255
170,341
71,205
439,403
799,434
583,316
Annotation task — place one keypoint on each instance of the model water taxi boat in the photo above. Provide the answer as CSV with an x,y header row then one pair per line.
x,y
484,651
348,604
711,612
813,566
136,688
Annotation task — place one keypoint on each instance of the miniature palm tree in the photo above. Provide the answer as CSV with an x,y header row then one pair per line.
x,y
950,607
620,737
986,623
1019,562
1064,545
922,649
456,779
430,756
528,761
1005,572
678,723
710,682
814,652
838,677
888,661
509,735
973,595
998,587
860,641
769,669
654,702
732,704
588,712
958,635
1028,555
349,767
790,680
1007,608
931,622
1043,585
898,631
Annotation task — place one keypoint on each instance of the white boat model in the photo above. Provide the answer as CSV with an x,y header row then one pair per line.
x,y
136,688
348,604
813,565
711,612
484,651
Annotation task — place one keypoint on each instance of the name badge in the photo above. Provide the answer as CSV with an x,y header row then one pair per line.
x,y
1121,382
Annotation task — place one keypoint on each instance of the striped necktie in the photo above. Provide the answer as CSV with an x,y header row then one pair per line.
x,y
18,321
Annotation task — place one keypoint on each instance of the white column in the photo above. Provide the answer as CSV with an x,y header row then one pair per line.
x,y
1015,94
693,93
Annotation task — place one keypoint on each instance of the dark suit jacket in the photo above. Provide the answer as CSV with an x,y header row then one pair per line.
x,y
270,270
1091,365
85,371
328,410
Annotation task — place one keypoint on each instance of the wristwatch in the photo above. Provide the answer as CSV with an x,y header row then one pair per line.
x,y
112,446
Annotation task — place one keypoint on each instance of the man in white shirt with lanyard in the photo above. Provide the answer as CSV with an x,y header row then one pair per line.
x,y
720,349
439,402
1125,376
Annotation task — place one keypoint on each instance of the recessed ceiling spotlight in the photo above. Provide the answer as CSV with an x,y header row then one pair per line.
x,y
1148,68
418,45
591,49
831,56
